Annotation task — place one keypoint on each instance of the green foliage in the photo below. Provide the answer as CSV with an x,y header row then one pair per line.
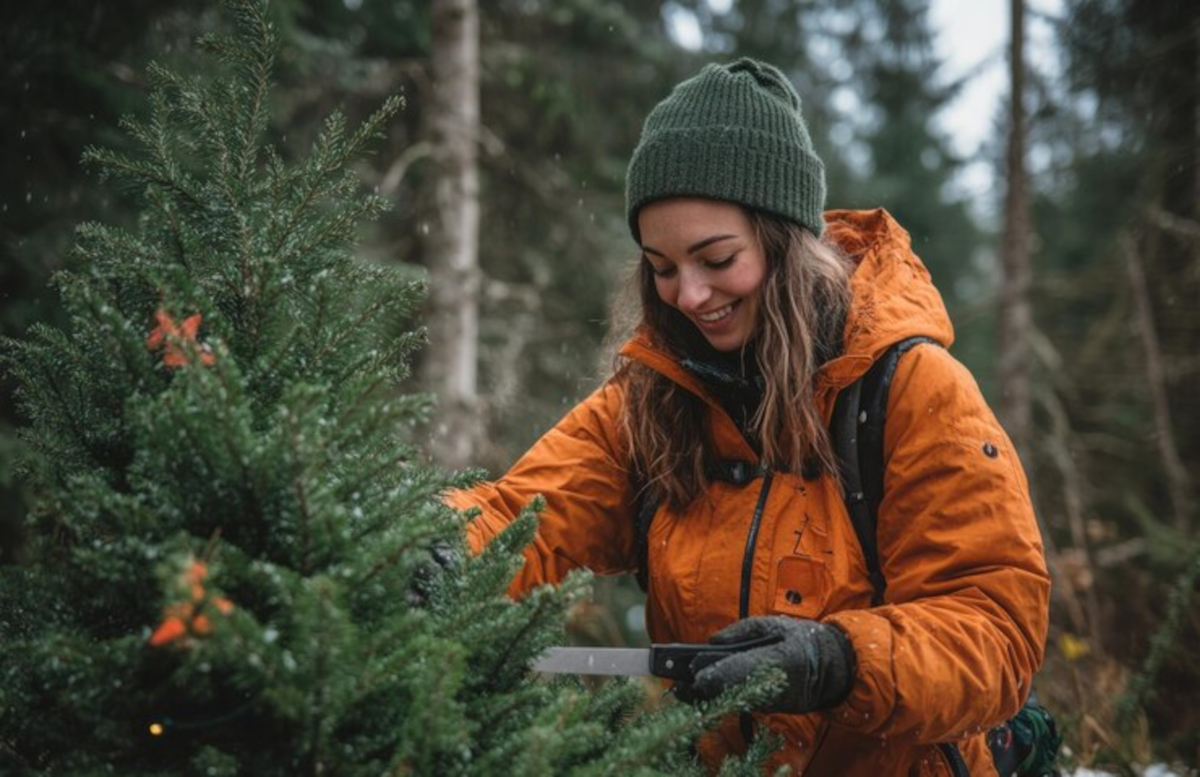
x,y
1119,189
1165,639
229,566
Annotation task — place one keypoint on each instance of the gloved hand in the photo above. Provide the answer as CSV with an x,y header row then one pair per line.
x,y
430,575
817,659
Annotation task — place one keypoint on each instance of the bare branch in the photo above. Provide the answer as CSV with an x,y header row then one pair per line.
x,y
1176,225
1173,468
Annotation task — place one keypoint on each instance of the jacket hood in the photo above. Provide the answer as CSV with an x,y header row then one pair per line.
x,y
893,298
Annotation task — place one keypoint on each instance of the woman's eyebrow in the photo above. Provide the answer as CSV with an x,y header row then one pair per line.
x,y
693,248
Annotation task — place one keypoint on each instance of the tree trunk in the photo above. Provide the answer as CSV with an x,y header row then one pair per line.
x,y
1174,470
452,241
1016,319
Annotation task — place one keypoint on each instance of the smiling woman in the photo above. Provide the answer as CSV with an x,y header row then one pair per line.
x,y
704,463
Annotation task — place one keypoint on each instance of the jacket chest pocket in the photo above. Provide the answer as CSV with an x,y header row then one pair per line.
x,y
802,587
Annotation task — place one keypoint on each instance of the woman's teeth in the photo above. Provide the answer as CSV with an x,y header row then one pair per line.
x,y
716,315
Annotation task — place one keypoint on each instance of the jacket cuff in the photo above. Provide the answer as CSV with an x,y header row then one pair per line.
x,y
481,529
872,696
845,663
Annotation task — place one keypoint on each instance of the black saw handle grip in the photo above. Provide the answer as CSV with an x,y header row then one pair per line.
x,y
680,661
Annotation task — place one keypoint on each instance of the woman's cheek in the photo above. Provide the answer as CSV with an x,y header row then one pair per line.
x,y
667,291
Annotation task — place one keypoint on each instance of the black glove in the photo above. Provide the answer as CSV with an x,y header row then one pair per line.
x,y
817,659
430,575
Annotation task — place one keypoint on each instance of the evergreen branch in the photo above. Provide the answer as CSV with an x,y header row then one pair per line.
x,y
281,354
260,34
279,179
300,489
401,508
98,311
162,79
536,616
1141,687
333,228
139,131
230,395
372,128
271,294
175,232
331,153
395,555
367,393
644,746
50,379
322,164
207,111
113,238
161,147
122,165
321,673
353,328
251,285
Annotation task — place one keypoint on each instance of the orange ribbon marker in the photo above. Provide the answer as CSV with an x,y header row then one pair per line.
x,y
167,336
184,620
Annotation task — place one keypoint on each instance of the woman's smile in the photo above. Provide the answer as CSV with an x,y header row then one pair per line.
x,y
709,318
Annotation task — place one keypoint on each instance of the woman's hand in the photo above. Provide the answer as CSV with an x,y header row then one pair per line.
x,y
817,659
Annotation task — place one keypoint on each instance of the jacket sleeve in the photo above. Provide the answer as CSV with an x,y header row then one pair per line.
x,y
953,649
579,468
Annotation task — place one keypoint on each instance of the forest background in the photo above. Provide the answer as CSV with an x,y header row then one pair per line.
x,y
1100,354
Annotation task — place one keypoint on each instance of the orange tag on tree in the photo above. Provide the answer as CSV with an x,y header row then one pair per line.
x,y
169,336
184,620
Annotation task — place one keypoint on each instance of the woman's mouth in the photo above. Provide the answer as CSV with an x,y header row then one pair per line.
x,y
717,315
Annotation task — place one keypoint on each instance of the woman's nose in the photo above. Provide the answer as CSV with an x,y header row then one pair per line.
x,y
694,292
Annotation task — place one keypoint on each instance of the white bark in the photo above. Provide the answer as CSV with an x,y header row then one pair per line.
x,y
452,242
1016,318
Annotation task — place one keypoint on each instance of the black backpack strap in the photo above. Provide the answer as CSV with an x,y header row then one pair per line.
x,y
644,508
844,434
856,430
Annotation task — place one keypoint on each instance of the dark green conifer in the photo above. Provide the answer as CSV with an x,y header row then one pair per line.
x,y
229,566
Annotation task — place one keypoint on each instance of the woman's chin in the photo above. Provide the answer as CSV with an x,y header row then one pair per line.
x,y
726,343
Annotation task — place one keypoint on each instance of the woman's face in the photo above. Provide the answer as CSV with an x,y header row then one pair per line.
x,y
707,264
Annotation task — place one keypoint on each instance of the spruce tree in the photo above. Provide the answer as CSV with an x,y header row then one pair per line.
x,y
237,562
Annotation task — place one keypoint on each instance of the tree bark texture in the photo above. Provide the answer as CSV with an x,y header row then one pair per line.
x,y
1164,431
1016,319
452,241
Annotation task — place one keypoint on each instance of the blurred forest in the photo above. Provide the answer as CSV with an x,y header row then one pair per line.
x,y
1111,138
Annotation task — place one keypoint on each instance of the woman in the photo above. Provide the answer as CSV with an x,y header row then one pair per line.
x,y
756,308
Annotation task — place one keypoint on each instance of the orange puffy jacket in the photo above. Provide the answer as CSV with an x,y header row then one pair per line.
x,y
953,649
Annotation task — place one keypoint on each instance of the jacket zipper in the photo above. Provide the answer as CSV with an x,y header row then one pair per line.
x,y
751,541
954,759
747,721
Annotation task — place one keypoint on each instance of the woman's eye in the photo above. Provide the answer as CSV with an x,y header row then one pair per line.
x,y
662,272
722,262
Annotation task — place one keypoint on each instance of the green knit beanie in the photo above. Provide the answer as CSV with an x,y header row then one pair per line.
x,y
734,132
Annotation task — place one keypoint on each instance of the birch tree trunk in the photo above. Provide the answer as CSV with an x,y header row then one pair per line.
x,y
1016,320
452,241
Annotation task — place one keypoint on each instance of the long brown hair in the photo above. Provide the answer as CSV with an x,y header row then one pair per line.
x,y
804,299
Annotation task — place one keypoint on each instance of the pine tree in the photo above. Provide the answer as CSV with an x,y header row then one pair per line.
x,y
230,567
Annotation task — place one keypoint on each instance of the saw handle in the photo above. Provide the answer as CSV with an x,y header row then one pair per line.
x,y
680,661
